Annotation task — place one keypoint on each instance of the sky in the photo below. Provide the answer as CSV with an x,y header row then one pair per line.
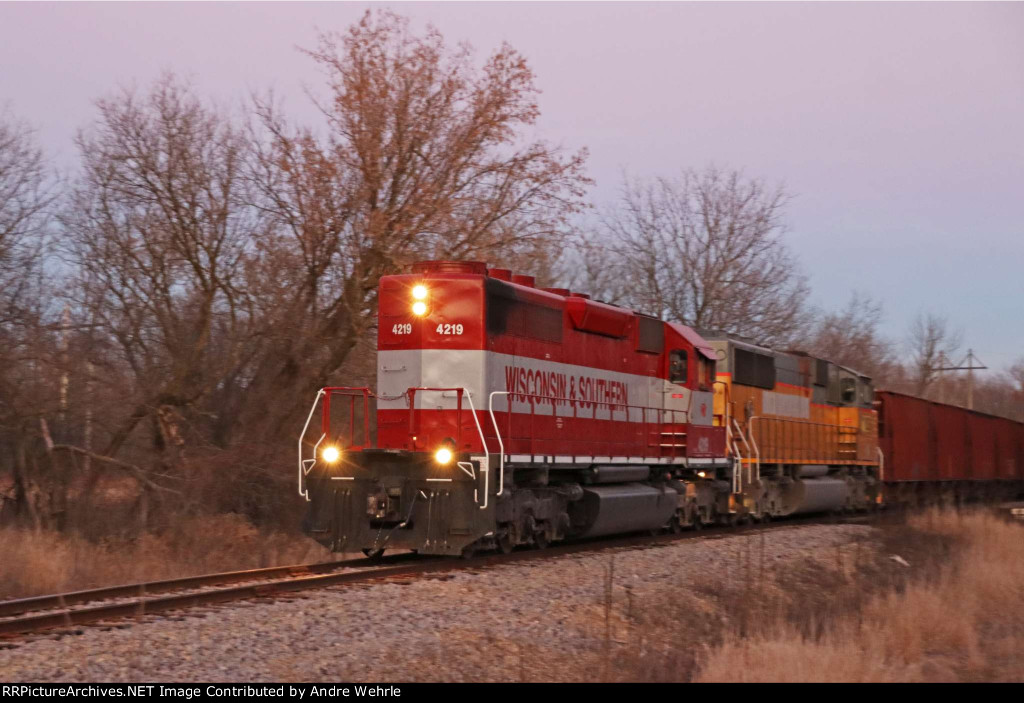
x,y
897,127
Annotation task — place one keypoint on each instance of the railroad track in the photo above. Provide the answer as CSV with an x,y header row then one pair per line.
x,y
70,610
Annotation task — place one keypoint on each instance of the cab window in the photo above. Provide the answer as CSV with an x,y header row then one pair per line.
x,y
867,394
677,366
849,390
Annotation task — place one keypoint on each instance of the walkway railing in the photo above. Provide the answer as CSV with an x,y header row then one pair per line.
x,y
784,440
306,464
660,432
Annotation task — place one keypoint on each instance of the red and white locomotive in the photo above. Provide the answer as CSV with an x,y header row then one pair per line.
x,y
506,414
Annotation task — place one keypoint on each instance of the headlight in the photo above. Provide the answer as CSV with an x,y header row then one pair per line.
x,y
331,454
443,455
419,292
419,308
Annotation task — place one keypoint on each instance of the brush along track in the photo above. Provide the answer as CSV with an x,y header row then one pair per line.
x,y
137,600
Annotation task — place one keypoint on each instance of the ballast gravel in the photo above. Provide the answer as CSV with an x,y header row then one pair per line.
x,y
530,621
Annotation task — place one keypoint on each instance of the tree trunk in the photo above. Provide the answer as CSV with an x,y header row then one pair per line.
x,y
24,488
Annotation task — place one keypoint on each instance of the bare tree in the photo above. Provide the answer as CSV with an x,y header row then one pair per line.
x,y
591,265
706,249
1016,375
26,193
851,337
424,156
214,273
158,227
932,344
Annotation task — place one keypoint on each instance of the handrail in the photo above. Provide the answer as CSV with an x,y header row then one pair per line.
x,y
753,443
580,403
485,468
750,451
737,473
577,404
497,434
302,468
411,394
881,463
826,453
366,394
664,416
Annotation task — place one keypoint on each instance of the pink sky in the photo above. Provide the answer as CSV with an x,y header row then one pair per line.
x,y
898,127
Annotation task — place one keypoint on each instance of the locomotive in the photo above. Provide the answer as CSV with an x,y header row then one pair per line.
x,y
507,414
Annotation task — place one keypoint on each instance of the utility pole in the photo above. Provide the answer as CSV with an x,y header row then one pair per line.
x,y
970,368
87,436
65,323
942,379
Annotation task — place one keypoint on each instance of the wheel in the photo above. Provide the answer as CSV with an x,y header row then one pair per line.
x,y
540,539
469,551
373,554
505,543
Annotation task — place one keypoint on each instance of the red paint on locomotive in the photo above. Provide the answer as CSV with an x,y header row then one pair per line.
x,y
576,373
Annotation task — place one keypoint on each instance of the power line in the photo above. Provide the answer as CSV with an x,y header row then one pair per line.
x,y
970,368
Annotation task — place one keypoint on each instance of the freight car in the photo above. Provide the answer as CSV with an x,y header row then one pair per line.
x,y
507,415
938,453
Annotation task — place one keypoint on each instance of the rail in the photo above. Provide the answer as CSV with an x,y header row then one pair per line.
x,y
35,604
141,599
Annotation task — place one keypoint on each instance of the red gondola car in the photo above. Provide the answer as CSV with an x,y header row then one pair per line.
x,y
933,450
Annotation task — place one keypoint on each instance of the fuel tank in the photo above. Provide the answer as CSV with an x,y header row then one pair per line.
x,y
817,495
631,507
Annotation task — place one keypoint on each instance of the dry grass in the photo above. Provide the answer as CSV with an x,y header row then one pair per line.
x,y
957,615
35,563
852,614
